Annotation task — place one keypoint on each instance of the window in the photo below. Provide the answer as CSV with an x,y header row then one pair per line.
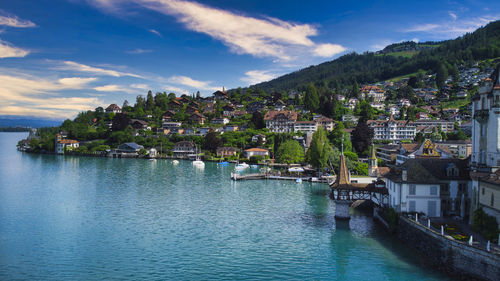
x,y
434,190
412,206
413,189
431,208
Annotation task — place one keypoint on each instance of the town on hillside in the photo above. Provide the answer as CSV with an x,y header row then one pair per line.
x,y
444,138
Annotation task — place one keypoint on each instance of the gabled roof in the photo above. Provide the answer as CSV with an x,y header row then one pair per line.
x,y
429,170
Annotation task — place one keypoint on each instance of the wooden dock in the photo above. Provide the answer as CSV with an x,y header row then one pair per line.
x,y
263,176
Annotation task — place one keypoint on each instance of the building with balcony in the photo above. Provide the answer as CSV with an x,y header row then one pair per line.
x,y
392,129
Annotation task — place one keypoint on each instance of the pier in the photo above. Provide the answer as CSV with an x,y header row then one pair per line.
x,y
264,176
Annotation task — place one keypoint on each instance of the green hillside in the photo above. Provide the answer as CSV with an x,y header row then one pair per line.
x,y
395,60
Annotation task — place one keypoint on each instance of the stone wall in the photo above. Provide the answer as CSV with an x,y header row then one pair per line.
x,y
454,257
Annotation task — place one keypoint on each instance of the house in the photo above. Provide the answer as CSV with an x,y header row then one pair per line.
x,y
305,126
191,110
373,92
325,122
255,138
392,129
228,109
422,116
404,102
174,104
140,124
66,143
167,116
280,121
255,106
340,97
349,118
377,105
461,94
184,149
489,194
426,149
171,127
113,108
220,95
227,151
256,152
436,187
222,121
208,108
231,128
198,118
279,105
457,148
444,125
129,148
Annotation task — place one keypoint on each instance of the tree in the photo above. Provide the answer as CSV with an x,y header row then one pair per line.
x,y
290,152
441,75
212,141
319,151
338,137
311,99
366,111
355,90
258,120
150,102
361,137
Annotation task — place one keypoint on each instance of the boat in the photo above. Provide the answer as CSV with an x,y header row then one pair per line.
x,y
299,180
254,166
241,167
225,163
175,162
152,159
198,163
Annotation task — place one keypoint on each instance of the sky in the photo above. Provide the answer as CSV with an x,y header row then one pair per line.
x,y
61,57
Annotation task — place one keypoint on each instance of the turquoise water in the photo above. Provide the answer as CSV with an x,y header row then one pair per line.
x,y
78,218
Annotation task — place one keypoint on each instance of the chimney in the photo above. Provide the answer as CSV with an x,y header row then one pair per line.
x,y
404,175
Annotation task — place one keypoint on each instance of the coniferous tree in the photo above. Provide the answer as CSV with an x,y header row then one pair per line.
x,y
311,98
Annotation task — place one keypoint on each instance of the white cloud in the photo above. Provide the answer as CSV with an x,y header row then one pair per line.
x,y
260,37
74,66
114,88
13,21
452,15
156,32
76,82
9,51
34,96
140,86
454,27
190,82
176,90
253,77
138,51
328,50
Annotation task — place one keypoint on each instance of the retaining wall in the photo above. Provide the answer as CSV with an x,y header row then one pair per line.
x,y
456,258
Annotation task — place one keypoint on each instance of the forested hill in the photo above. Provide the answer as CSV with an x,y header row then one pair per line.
x,y
484,43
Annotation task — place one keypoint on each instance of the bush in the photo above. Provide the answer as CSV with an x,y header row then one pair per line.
x,y
392,218
256,159
486,225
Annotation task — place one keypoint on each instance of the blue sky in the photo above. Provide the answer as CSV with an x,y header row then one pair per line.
x,y
59,57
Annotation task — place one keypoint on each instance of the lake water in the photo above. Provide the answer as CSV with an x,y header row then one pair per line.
x,y
79,218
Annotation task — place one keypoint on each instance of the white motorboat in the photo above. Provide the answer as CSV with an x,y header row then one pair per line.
x,y
242,166
175,162
198,163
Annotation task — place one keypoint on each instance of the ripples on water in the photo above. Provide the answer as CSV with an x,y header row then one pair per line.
x,y
67,218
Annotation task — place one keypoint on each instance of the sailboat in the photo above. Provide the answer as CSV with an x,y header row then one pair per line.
x,y
198,163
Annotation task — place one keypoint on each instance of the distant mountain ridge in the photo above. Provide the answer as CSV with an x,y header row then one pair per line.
x,y
370,67
27,121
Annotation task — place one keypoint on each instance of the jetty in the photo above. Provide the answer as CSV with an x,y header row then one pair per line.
x,y
264,176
